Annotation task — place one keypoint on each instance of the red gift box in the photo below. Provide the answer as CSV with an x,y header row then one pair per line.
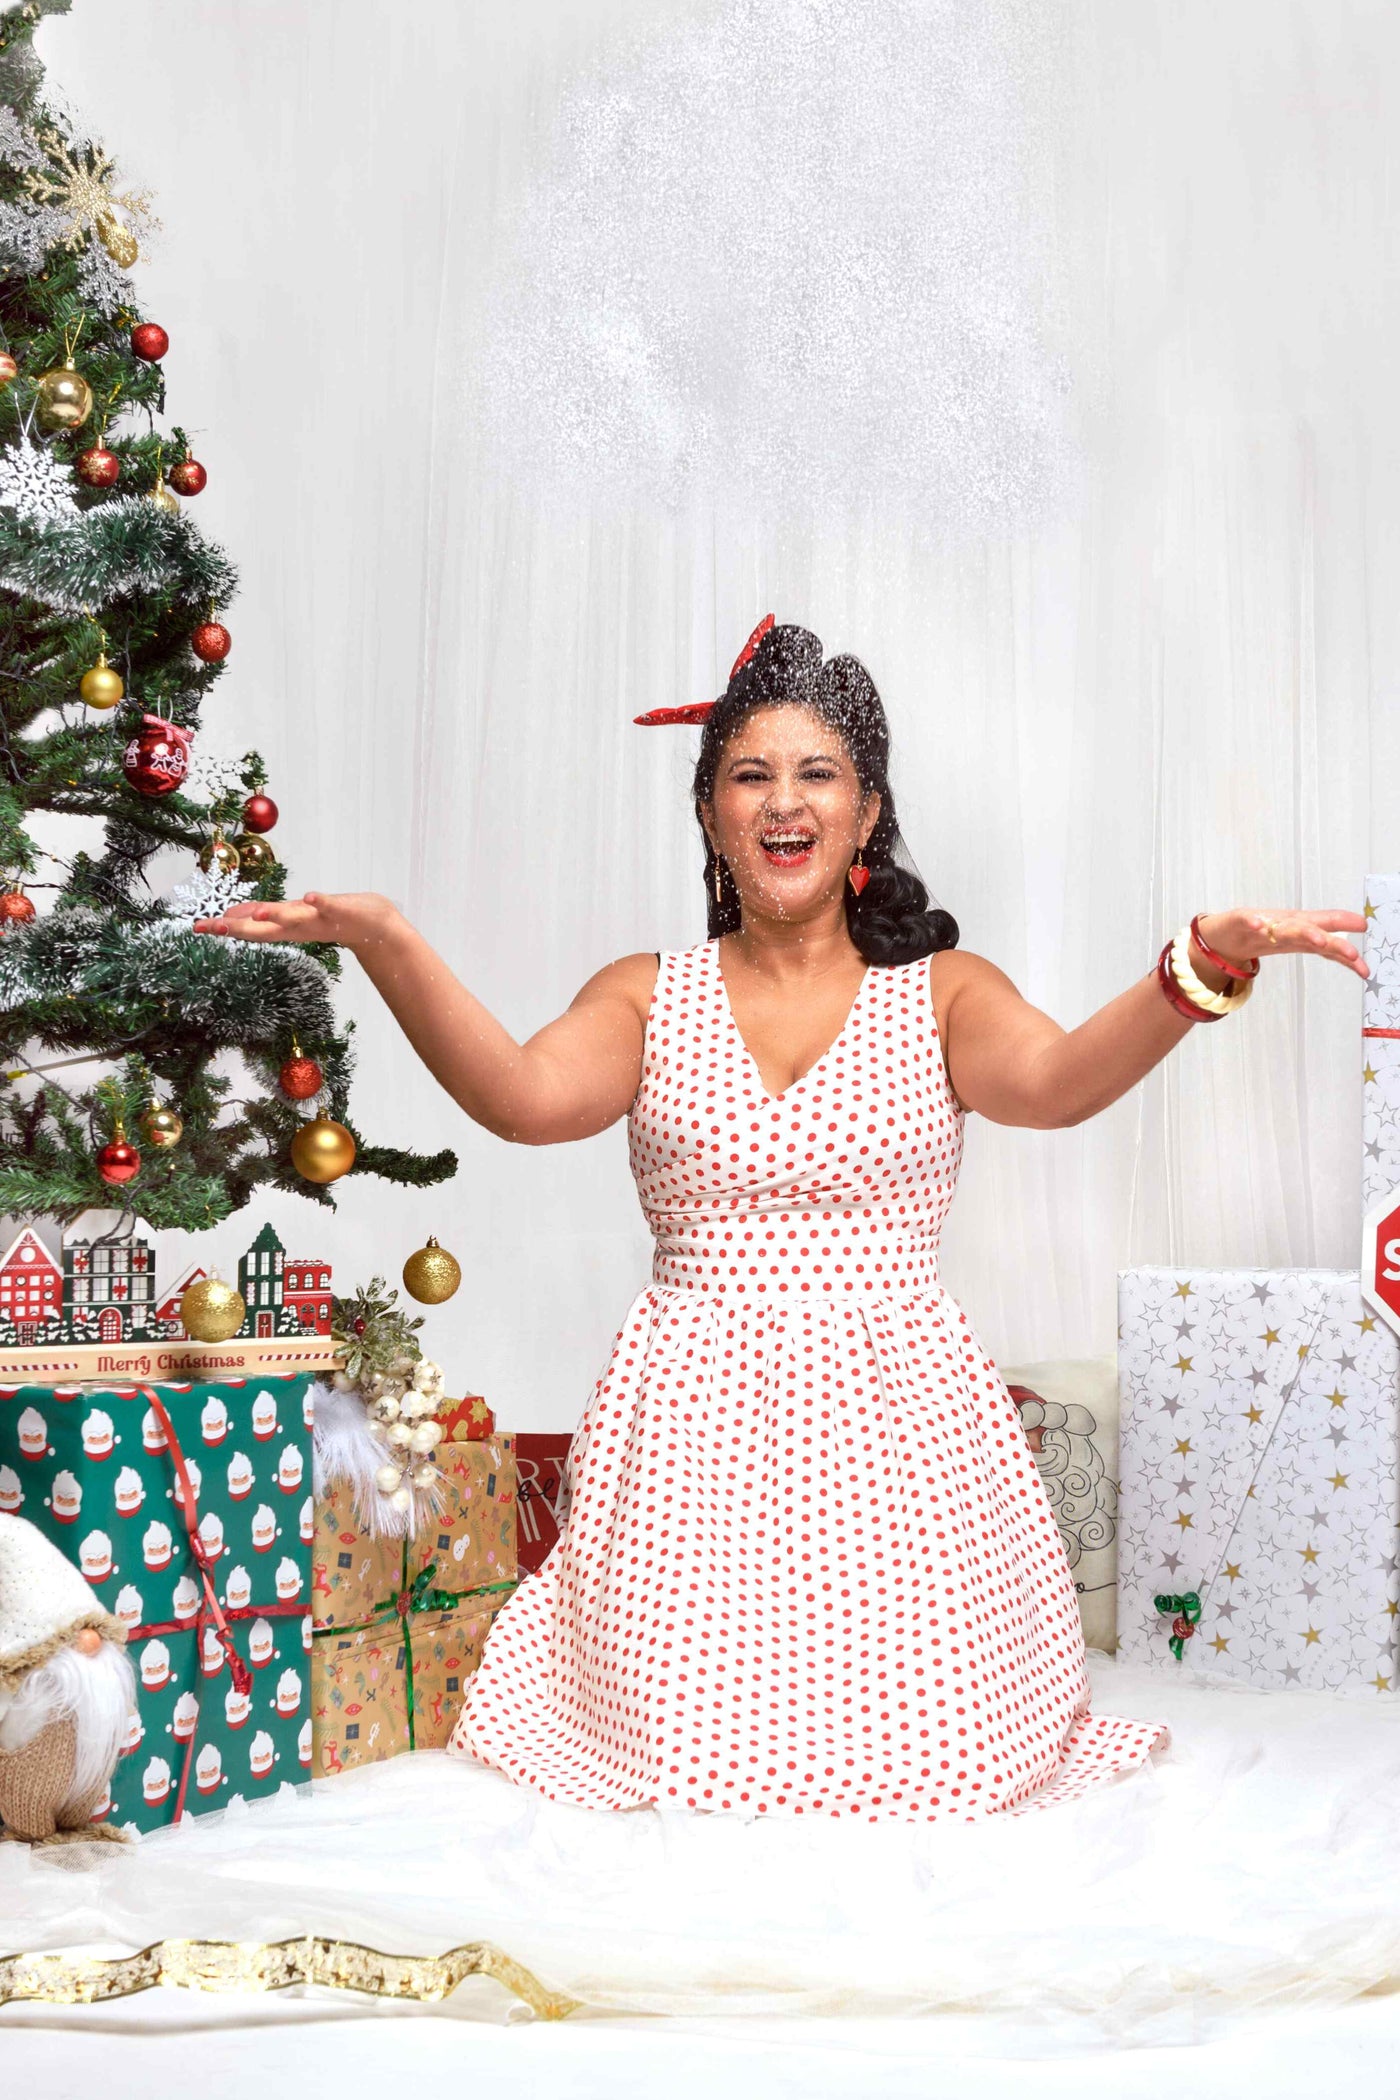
x,y
468,1421
541,1495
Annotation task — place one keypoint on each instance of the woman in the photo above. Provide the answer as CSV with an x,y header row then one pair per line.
x,y
809,1566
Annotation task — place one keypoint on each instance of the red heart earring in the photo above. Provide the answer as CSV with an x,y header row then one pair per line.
x,y
858,874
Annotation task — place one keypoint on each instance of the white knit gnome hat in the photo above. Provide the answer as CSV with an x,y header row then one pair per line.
x,y
44,1602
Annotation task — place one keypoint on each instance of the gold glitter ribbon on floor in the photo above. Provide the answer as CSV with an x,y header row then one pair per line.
x,y
242,1965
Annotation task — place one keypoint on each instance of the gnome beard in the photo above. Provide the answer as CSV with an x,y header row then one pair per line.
x,y
95,1691
66,1692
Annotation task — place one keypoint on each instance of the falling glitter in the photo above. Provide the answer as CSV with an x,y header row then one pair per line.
x,y
788,249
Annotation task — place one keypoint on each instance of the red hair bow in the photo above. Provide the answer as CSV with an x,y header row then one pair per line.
x,y
700,710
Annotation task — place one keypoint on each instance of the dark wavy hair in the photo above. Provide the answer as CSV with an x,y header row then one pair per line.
x,y
891,921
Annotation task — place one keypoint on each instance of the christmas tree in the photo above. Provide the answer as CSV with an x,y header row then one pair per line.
x,y
113,1011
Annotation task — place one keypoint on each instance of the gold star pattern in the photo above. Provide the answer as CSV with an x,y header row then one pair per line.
x,y
1392,1608
1232,1571
1368,1075
1249,1492
1183,1290
1338,1399
1271,1335
1183,1363
1253,1414
1183,1448
1303,1348
1220,1644
1339,1480
1311,1637
1368,910
1183,1520
1309,1553
1382,1684
1367,1325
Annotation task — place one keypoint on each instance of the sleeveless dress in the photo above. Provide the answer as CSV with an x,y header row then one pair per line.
x,y
808,1565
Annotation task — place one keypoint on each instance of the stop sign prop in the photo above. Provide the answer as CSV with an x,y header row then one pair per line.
x,y
1380,1258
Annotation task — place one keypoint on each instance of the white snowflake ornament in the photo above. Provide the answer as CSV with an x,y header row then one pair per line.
x,y
34,484
204,895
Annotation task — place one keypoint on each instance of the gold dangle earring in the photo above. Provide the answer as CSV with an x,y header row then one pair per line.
x,y
719,885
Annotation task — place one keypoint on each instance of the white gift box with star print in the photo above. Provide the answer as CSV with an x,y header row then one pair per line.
x,y
1380,1042
1259,1462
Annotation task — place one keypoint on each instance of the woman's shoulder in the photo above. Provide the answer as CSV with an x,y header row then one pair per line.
x,y
632,979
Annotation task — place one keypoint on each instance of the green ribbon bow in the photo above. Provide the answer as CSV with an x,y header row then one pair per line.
x,y
1187,1609
419,1595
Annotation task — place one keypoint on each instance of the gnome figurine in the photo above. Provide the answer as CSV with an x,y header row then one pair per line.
x,y
66,1692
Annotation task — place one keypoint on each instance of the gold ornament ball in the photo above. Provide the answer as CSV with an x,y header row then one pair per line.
x,y
63,398
323,1150
164,498
432,1274
255,855
119,241
219,854
211,1310
101,686
162,1127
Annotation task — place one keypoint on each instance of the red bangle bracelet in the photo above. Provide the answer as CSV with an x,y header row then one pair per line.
x,y
1230,969
1175,995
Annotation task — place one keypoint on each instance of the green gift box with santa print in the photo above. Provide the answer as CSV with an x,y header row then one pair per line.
x,y
188,1508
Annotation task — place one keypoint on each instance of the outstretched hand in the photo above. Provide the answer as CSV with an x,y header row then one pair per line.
x,y
1240,935
345,920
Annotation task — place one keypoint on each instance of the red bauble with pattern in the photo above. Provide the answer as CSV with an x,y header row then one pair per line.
x,y
8,368
300,1078
15,910
211,642
150,341
158,757
259,813
188,476
98,467
119,1161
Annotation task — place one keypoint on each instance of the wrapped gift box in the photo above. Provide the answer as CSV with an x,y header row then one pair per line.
x,y
542,1469
1069,1411
400,1624
1380,1042
1259,1475
123,1479
468,1421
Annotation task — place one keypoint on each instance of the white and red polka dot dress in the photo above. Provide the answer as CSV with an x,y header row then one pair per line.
x,y
809,1567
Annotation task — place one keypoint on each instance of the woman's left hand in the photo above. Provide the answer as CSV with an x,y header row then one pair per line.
x,y
1239,935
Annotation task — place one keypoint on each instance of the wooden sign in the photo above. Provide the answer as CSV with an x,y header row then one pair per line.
x,y
54,1362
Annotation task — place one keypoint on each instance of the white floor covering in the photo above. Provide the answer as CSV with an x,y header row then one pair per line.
x,y
1221,1911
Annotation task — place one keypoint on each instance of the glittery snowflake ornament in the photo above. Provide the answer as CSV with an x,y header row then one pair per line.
x,y
34,484
204,896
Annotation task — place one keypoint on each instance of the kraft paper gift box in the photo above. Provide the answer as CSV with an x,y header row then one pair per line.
x,y
401,1624
1259,1476
223,1671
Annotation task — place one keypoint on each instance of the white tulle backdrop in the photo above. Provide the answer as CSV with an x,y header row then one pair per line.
x,y
1040,354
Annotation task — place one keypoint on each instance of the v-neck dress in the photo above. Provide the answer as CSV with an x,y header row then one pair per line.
x,y
808,1566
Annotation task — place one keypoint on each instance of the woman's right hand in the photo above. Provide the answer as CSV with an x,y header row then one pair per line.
x,y
351,920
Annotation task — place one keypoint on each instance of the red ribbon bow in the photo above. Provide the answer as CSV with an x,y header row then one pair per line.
x,y
700,710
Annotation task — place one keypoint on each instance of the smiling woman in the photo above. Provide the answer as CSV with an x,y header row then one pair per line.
x,y
809,1566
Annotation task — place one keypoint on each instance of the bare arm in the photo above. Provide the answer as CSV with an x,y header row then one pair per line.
x,y
571,1079
1014,1064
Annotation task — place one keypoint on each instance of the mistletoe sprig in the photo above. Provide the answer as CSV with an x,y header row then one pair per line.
x,y
374,1334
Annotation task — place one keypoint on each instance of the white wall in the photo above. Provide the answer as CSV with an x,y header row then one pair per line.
x,y
1039,354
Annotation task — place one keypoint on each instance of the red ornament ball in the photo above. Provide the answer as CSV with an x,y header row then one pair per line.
x,y
15,910
119,1161
150,341
8,368
300,1078
188,476
211,642
98,467
158,757
259,813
